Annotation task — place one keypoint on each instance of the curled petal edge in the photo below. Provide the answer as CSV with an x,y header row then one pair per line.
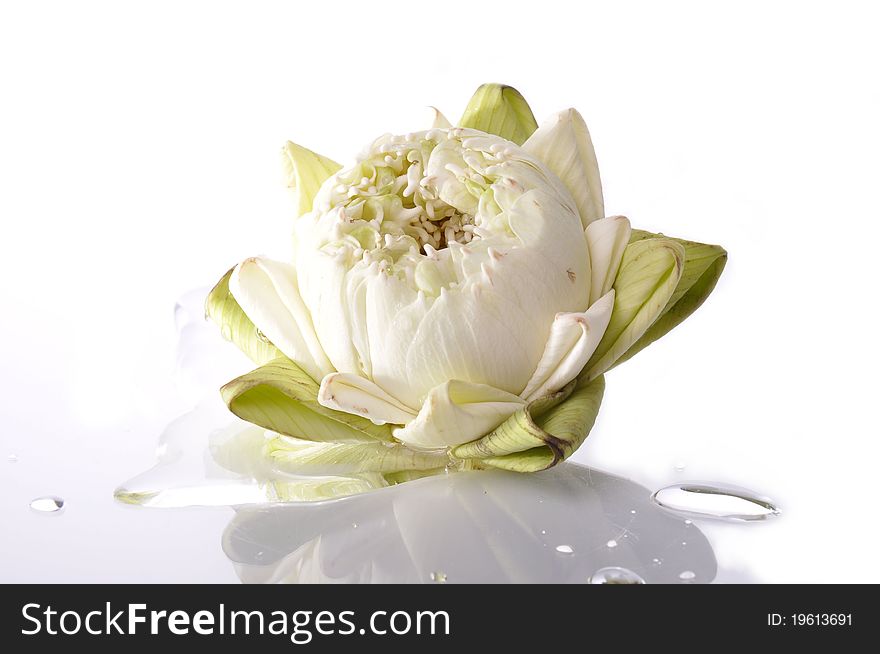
x,y
540,434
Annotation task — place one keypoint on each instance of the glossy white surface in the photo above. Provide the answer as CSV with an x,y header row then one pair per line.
x,y
139,159
493,527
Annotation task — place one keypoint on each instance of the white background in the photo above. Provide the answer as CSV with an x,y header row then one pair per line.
x,y
139,159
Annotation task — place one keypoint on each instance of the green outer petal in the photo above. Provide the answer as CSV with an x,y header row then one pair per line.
x,y
403,476
305,457
317,489
501,110
235,326
542,433
703,265
281,397
305,171
648,275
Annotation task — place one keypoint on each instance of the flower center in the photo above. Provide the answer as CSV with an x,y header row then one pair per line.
x,y
393,189
435,210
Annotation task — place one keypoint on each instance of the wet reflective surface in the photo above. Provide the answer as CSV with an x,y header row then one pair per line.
x,y
615,575
47,504
715,501
490,526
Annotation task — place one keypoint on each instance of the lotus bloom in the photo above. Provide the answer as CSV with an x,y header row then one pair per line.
x,y
455,296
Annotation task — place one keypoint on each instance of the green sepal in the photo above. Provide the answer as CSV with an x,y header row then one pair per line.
x,y
542,433
322,488
646,280
281,397
296,456
235,326
501,110
703,265
305,171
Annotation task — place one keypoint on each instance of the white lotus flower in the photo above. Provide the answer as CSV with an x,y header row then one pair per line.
x,y
453,290
445,279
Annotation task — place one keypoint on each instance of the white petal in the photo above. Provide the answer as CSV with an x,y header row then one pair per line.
x,y
328,293
440,121
606,239
490,330
268,294
361,397
563,143
457,412
573,339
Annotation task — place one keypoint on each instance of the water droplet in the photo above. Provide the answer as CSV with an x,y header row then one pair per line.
x,y
687,575
262,337
354,525
438,577
684,543
615,575
12,458
688,522
259,555
611,543
47,504
657,561
679,466
544,532
564,549
633,511
715,501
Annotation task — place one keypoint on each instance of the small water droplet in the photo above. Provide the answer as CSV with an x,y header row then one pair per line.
x,y
544,532
657,561
261,336
611,543
259,555
438,577
715,501
354,525
12,458
684,543
679,466
47,504
687,575
615,575
633,511
688,522
564,549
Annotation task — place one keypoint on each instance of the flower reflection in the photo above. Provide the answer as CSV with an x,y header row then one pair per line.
x,y
550,527
560,525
